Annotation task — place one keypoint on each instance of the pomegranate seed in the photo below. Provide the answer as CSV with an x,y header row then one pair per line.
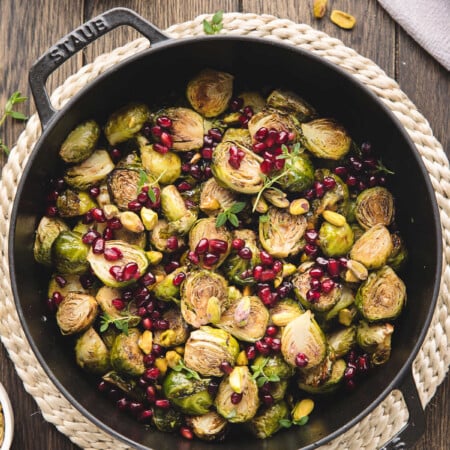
x,y
312,296
356,163
343,262
118,303
116,154
341,171
145,415
136,407
234,162
267,275
266,166
209,259
172,243
329,183
166,139
51,211
236,398
57,298
282,137
90,237
157,349
179,278
257,271
322,262
265,295
245,253
276,344
261,134
122,404
98,246
319,189
108,234
362,363
147,323
291,136
262,347
315,284
160,148
94,191
311,250
59,184
265,258
279,164
142,295
272,330
327,285
351,180
114,223
301,360
193,257
135,205
316,272
186,432
267,399
351,357
350,372
149,360
268,340
283,290
151,374
370,162
171,266
226,367
333,267
60,280
162,324
87,280
362,185
150,393
381,180
259,147
250,352
52,196
115,394
156,131
238,244
112,254
277,266
236,104
373,180
98,215
162,403
216,134
164,121
309,194
184,186
130,271
366,148
142,198
248,111
207,153
185,167
148,279
218,246
103,386
202,246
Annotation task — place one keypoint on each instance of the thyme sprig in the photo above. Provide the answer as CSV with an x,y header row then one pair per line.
x,y
15,98
121,323
144,180
230,214
259,375
214,25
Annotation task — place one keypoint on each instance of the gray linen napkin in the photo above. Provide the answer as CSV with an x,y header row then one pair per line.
x,y
427,22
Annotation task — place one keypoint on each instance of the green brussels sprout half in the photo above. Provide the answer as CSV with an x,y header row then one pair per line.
x,y
373,248
72,284
245,319
247,178
215,198
127,269
207,348
334,240
325,138
210,91
159,235
203,297
382,296
376,340
123,186
267,421
208,427
126,356
374,206
80,143
167,420
272,119
126,122
240,136
253,99
281,235
313,377
303,335
46,233
273,366
90,172
291,103
126,384
72,204
327,386
69,253
76,313
284,311
166,290
104,298
346,299
176,334
91,352
247,407
190,395
399,253
278,389
299,173
342,340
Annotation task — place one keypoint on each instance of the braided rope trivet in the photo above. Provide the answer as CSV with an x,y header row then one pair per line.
x,y
433,359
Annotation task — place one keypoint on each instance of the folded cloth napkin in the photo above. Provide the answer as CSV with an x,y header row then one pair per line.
x,y
427,22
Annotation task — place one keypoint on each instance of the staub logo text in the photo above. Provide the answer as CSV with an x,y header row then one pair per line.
x,y
77,39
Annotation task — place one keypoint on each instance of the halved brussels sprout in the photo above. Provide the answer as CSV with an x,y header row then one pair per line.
x,y
122,272
382,296
314,377
80,143
246,179
334,240
176,334
210,91
126,384
123,186
325,138
159,235
76,313
207,348
240,136
267,421
278,389
46,233
281,234
284,311
91,171
166,290
374,206
104,298
203,297
291,103
190,395
126,356
246,319
346,299
167,420
373,248
215,198
399,253
207,227
299,173
253,99
208,427
327,385
126,122
376,340
91,352
71,284
271,119
71,203
276,198
303,335
274,366
247,407
136,239
69,253
341,341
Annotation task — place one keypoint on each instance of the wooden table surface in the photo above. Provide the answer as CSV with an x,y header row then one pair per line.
x,y
26,32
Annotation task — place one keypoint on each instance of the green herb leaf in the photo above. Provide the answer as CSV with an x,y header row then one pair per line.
x,y
237,207
151,195
8,111
217,18
264,218
207,27
214,25
17,115
233,219
285,423
221,220
143,178
189,372
4,147
302,421
382,168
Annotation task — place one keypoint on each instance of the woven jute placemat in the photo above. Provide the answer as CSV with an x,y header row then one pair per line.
x,y
432,362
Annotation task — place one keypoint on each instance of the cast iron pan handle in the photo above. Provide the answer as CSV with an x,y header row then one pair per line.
x,y
73,43
411,432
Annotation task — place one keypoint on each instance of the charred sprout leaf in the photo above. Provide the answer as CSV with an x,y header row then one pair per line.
x,y
291,103
376,340
80,143
71,203
230,215
214,25
189,372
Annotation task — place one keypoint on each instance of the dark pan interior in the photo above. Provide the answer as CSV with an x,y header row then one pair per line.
x,y
151,77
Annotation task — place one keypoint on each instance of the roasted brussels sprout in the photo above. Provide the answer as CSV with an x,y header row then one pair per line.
x,y
203,297
180,218
208,427
166,290
341,341
122,272
76,313
291,103
91,352
80,143
215,198
105,297
271,119
240,136
123,186
46,233
346,299
374,206
284,311
69,253
167,420
299,173
71,283
207,348
90,172
303,343
325,138
281,234
335,240
129,237
247,178
71,203
246,319
159,235
273,366
381,296
376,340
373,248
399,253
253,99
190,395
247,407
126,356
210,91
126,122
176,334
324,379
267,421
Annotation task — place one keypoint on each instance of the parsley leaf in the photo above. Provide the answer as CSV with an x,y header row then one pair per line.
x,y
214,25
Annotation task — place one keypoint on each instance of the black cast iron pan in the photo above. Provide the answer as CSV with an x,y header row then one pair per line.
x,y
150,77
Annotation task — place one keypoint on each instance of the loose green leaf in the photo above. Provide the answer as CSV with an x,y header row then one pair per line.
x,y
8,111
233,219
230,214
207,27
121,323
285,423
221,220
189,372
237,207
17,115
302,421
214,25
217,18
382,168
